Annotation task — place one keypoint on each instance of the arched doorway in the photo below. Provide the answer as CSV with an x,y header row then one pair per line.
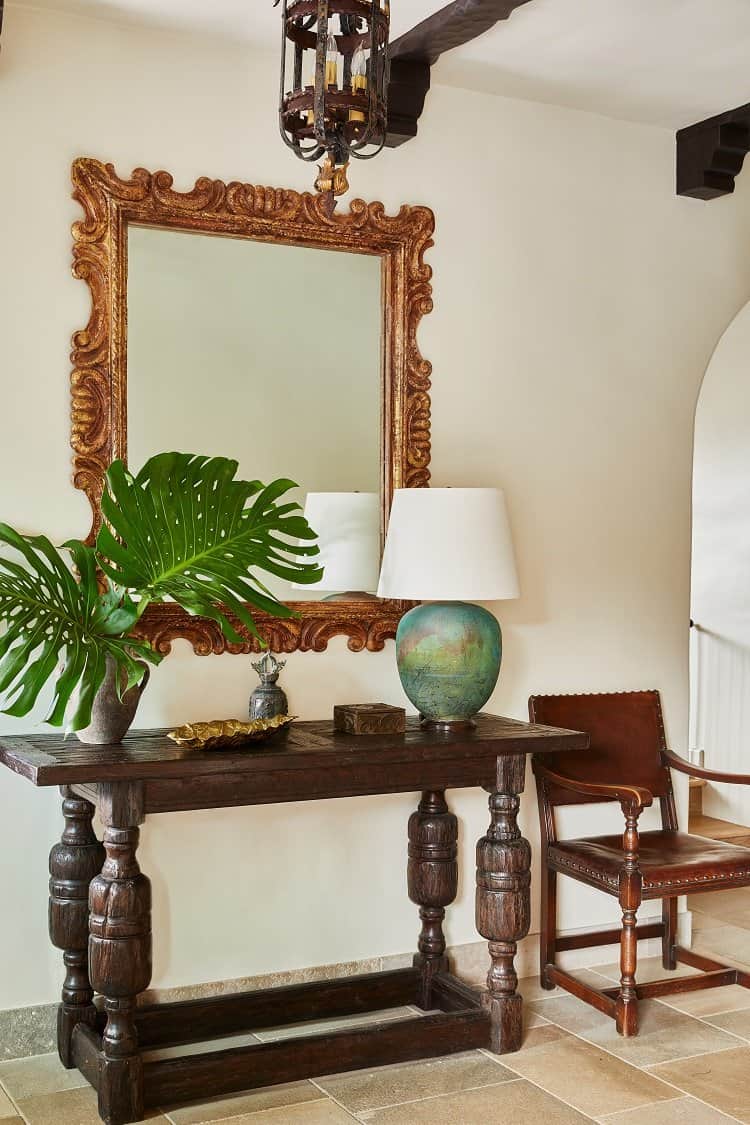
x,y
720,587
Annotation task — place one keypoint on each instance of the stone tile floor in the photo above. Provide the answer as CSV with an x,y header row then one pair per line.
x,y
690,1065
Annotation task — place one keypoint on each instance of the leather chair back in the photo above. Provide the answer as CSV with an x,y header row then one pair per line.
x,y
627,737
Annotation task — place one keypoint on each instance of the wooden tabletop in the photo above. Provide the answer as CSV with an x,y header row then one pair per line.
x,y
148,755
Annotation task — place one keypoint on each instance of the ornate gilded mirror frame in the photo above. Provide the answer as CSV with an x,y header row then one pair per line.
x,y
99,357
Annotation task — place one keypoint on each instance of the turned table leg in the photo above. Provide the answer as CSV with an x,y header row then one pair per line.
x,y
432,882
503,907
73,863
120,951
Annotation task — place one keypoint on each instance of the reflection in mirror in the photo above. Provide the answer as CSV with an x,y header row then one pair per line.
x,y
348,527
267,353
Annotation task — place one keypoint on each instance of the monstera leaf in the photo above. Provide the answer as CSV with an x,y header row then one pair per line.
x,y
58,626
185,529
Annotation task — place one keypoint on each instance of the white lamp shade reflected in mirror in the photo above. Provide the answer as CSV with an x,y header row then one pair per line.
x,y
448,544
348,528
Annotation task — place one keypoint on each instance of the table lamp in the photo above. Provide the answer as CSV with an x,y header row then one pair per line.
x,y
348,527
446,544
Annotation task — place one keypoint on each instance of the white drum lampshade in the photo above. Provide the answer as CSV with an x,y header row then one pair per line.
x,y
348,527
448,544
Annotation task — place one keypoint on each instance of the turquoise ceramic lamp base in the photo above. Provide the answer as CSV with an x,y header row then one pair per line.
x,y
448,656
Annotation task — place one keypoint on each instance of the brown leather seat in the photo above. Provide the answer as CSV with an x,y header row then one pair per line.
x,y
627,762
669,862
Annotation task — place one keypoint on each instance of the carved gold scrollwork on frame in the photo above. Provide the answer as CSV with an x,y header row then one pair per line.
x,y
99,356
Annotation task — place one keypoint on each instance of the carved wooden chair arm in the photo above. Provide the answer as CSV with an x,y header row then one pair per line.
x,y
684,766
632,796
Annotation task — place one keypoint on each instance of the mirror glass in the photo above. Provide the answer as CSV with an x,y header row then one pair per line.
x,y
270,354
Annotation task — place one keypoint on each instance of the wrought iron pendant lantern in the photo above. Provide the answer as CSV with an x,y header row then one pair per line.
x,y
336,53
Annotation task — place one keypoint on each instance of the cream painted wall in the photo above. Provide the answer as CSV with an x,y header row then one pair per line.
x,y
576,305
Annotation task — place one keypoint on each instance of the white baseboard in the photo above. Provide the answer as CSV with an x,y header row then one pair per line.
x,y
685,928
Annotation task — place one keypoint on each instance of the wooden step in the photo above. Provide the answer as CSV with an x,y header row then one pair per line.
x,y
697,785
714,829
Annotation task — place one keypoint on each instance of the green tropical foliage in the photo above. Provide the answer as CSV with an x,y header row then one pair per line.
x,y
182,529
185,529
50,619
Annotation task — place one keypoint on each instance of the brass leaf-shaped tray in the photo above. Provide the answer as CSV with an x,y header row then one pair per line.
x,y
225,734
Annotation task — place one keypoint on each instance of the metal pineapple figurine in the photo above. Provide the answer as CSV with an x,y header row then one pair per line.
x,y
268,699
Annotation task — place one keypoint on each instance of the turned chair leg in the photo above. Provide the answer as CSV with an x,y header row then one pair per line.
x,y
626,1005
626,1008
669,937
548,925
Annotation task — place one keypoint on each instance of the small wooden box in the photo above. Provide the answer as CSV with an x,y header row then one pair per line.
x,y
369,718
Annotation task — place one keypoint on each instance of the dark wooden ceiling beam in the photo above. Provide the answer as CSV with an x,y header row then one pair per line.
x,y
413,53
407,91
710,154
451,27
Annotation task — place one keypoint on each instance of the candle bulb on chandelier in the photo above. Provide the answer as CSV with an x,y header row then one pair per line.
x,y
332,61
359,80
308,83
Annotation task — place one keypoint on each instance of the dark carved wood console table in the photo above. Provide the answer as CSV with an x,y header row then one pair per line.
x,y
100,904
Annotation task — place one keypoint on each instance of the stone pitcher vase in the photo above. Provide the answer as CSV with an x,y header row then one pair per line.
x,y
111,717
